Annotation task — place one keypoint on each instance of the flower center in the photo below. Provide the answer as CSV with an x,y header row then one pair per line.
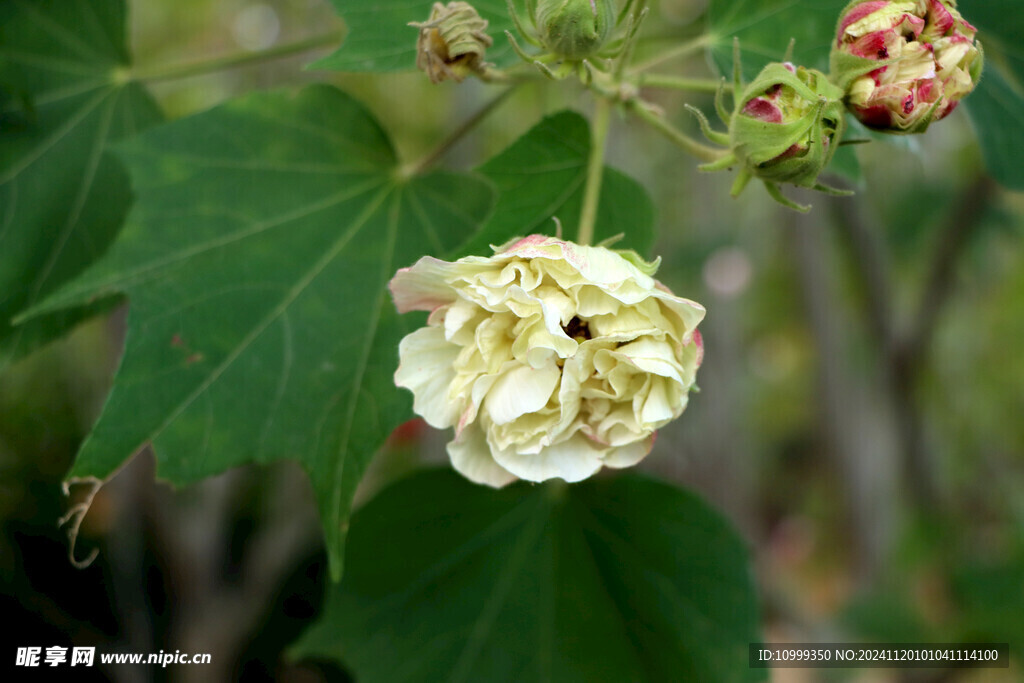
x,y
577,329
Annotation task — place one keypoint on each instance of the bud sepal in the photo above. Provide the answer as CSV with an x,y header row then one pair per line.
x,y
785,127
575,36
574,28
452,42
788,122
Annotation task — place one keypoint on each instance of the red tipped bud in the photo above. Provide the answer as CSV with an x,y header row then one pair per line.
x,y
904,64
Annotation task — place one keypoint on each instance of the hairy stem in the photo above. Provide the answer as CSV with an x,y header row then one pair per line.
x,y
595,169
207,66
456,135
678,83
688,144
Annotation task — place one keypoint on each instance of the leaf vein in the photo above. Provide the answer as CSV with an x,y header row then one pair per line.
x,y
60,33
292,294
49,142
364,358
121,280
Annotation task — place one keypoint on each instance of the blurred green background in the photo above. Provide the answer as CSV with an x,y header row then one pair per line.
x,y
860,419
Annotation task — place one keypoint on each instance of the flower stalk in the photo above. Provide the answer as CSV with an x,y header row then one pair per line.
x,y
649,115
668,82
456,135
595,170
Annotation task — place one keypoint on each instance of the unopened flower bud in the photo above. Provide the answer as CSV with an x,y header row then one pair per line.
x,y
574,28
788,124
904,65
452,42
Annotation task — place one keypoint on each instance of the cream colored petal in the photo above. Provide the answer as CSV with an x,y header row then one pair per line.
x,y
498,278
534,339
482,385
557,306
630,454
422,287
458,317
594,301
493,339
887,18
572,460
479,387
569,394
601,266
427,369
652,356
861,91
657,407
474,389
618,428
519,245
629,321
589,265
519,391
472,458
689,312
916,62
949,52
528,434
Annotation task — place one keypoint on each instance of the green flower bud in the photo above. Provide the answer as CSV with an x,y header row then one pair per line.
x,y
452,42
574,29
787,124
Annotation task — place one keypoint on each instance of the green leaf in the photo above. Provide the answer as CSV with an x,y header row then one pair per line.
x,y
765,28
379,37
997,105
256,261
990,597
62,199
616,579
541,176
1000,25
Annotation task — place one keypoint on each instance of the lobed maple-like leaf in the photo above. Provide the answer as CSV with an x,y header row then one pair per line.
x,y
64,96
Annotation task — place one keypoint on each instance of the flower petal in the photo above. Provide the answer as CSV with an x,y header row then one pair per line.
x,y
422,287
630,454
520,391
471,456
572,460
427,369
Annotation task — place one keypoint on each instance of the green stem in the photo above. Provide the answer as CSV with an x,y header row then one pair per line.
x,y
595,169
514,75
688,144
464,128
684,50
174,71
677,83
